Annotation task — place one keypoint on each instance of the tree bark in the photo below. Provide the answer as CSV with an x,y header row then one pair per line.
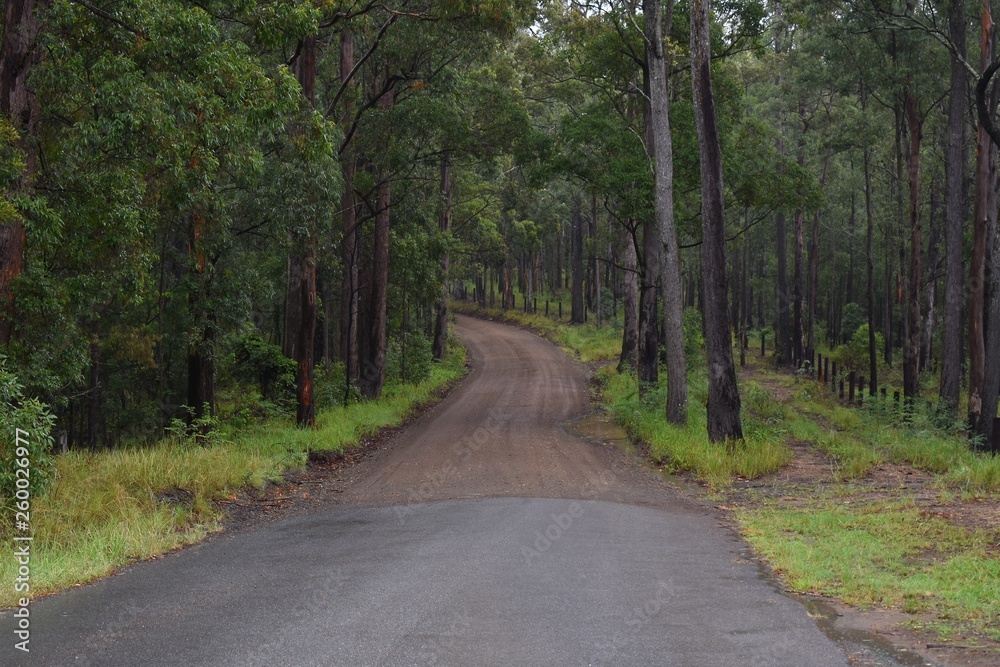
x,y
955,166
723,395
814,261
931,280
373,378
661,148
985,177
577,268
201,344
350,287
911,368
441,321
18,54
305,262
306,409
870,273
630,297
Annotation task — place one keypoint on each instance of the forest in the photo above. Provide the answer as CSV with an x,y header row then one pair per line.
x,y
244,210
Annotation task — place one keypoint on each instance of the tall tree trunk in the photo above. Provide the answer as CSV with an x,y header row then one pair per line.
x,y
350,287
911,368
441,322
305,72
814,261
851,225
630,297
201,344
985,177
783,332
373,378
577,268
723,395
18,54
870,272
306,410
798,282
931,280
954,171
659,144
94,394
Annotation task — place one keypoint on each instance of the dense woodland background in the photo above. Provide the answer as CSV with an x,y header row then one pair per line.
x,y
248,209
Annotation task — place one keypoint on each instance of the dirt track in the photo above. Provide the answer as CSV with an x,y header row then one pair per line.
x,y
500,433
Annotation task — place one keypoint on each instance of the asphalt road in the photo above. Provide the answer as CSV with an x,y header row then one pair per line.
x,y
484,534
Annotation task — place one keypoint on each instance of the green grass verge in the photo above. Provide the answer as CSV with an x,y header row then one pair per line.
x,y
860,438
586,342
883,553
107,509
687,448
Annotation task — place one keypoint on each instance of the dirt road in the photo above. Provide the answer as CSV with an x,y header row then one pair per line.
x,y
500,433
481,535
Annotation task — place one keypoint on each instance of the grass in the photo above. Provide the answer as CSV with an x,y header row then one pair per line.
x,y
687,448
107,509
858,439
889,554
586,342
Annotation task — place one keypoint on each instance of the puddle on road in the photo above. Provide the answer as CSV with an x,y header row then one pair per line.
x,y
600,428
867,648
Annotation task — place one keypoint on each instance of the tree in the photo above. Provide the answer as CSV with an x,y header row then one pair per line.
x,y
18,54
663,197
724,422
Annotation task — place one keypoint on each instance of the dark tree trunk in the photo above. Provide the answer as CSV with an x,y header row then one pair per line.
x,y
931,280
630,298
94,395
305,263
373,378
659,143
851,225
798,252
306,412
723,395
955,167
373,374
985,179
441,321
870,273
577,268
18,54
350,287
814,261
783,331
911,369
201,342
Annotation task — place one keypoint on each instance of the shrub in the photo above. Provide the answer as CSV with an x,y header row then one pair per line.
x,y
409,358
32,418
853,355
257,361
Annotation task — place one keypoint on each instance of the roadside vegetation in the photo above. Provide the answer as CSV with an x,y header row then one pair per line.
x,y
108,508
925,546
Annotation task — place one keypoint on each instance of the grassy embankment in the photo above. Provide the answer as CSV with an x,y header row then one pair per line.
x,y
109,508
847,537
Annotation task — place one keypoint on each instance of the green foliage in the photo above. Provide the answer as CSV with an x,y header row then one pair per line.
x,y
853,355
25,445
106,509
410,358
694,338
853,318
257,361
